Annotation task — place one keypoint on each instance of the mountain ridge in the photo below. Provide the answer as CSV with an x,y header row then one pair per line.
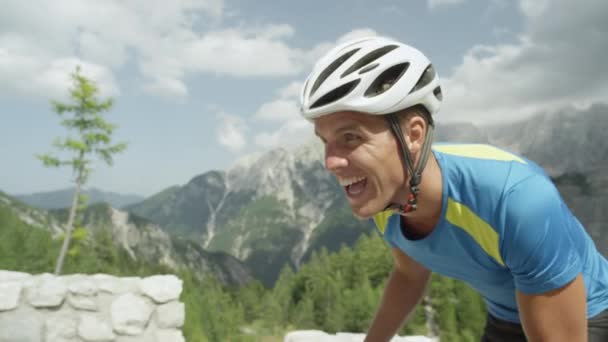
x,y
62,198
141,239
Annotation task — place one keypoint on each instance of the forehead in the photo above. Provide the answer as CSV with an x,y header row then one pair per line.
x,y
336,122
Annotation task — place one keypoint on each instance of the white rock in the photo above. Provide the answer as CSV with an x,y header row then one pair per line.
x,y
169,336
22,325
320,336
88,303
114,285
162,288
413,339
307,335
130,314
10,293
47,291
92,329
61,328
13,276
83,287
170,315
350,337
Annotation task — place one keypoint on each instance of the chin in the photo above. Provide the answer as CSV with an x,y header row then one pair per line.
x,y
364,213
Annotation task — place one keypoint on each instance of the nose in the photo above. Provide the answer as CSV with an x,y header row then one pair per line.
x,y
334,161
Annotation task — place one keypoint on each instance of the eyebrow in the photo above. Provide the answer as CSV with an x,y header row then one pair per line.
x,y
341,129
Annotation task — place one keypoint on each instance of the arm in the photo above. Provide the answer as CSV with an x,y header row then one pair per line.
x,y
543,246
558,315
403,291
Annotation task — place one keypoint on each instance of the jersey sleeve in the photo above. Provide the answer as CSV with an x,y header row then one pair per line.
x,y
537,244
382,223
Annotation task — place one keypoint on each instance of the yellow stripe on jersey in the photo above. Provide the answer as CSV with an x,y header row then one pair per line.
x,y
381,220
461,216
478,151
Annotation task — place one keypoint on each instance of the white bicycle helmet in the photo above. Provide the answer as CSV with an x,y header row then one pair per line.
x,y
377,76
373,75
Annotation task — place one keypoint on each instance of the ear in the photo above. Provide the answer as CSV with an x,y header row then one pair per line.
x,y
415,133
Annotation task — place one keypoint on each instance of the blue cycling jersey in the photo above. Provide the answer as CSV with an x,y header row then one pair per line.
x,y
503,226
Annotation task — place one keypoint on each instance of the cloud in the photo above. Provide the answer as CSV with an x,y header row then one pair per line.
x,y
166,40
357,33
292,90
241,53
438,3
280,110
292,133
168,87
284,108
555,63
285,112
99,35
231,132
533,8
26,69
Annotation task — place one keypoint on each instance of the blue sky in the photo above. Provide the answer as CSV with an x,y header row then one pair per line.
x,y
198,84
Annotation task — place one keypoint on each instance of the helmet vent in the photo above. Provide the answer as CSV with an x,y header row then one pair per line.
x,y
438,93
386,79
427,77
330,69
336,94
368,68
370,57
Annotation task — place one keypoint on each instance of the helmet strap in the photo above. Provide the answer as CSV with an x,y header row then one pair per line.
x,y
415,171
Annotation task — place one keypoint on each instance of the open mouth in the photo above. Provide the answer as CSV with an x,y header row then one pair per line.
x,y
353,186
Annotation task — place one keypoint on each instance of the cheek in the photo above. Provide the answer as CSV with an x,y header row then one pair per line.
x,y
384,163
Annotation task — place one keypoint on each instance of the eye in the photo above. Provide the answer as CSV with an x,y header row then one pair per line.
x,y
350,137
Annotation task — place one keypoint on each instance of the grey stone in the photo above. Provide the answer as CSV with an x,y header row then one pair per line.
x,y
307,335
48,291
61,328
169,336
87,303
83,287
130,314
114,285
170,315
13,276
22,325
93,329
320,336
10,293
162,288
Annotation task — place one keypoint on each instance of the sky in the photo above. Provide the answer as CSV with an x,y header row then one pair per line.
x,y
198,84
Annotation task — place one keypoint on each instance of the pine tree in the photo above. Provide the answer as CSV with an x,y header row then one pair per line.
x,y
282,292
94,137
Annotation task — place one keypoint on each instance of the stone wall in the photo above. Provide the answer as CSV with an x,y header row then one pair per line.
x,y
320,336
90,308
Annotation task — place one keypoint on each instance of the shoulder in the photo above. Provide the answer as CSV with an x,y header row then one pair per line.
x,y
478,152
483,167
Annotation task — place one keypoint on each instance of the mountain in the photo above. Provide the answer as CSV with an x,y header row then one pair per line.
x,y
63,198
265,210
278,207
568,141
141,239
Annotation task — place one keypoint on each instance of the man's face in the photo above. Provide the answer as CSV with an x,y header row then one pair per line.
x,y
361,152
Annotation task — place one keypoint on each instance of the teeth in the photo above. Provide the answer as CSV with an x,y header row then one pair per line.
x,y
350,180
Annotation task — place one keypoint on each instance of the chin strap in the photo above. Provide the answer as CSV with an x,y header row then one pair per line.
x,y
415,171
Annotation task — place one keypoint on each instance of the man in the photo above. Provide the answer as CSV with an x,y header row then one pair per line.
x,y
472,212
